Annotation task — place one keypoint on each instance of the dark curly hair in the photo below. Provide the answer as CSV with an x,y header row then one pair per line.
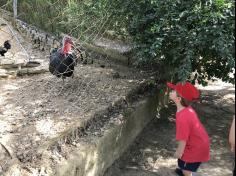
x,y
184,102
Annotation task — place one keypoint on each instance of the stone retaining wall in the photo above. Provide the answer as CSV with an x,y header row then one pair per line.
x,y
40,39
45,42
91,155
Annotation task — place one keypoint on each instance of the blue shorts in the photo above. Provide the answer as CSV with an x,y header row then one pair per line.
x,y
193,167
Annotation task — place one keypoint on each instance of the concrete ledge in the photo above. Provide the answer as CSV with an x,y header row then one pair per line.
x,y
92,159
93,154
112,54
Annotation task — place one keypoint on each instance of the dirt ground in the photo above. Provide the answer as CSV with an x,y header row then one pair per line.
x,y
152,152
35,109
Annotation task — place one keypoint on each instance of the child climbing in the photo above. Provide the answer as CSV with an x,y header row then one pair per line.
x,y
193,141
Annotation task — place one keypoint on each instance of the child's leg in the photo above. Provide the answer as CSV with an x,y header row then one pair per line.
x,y
188,168
187,173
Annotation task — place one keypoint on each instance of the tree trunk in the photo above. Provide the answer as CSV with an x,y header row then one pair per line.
x,y
15,8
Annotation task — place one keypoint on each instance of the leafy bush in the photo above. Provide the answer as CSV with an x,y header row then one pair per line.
x,y
184,37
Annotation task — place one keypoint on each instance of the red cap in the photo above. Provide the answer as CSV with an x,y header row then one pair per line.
x,y
185,90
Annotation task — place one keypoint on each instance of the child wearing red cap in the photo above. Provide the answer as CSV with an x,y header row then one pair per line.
x,y
193,140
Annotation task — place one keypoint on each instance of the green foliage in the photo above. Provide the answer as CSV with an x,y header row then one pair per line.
x,y
45,14
86,19
6,4
184,37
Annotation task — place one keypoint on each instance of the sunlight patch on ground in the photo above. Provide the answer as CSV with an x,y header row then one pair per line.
x,y
5,89
46,127
2,99
217,85
164,162
229,96
215,171
49,127
10,87
4,126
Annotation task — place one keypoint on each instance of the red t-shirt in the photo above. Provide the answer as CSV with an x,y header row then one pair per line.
x,y
190,129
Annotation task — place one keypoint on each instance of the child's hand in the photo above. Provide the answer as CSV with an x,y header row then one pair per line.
x,y
178,155
180,150
233,148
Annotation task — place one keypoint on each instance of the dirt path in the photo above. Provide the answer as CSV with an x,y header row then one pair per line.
x,y
151,153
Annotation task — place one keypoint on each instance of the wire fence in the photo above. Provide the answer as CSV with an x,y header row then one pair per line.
x,y
91,88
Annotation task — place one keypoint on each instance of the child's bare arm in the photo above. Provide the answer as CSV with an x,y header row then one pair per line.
x,y
180,150
232,136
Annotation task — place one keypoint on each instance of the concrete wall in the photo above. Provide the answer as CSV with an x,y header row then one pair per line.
x,y
91,157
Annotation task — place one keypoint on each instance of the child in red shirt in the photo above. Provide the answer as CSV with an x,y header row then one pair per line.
x,y
193,140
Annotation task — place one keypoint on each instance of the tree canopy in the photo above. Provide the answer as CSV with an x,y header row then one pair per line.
x,y
193,40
